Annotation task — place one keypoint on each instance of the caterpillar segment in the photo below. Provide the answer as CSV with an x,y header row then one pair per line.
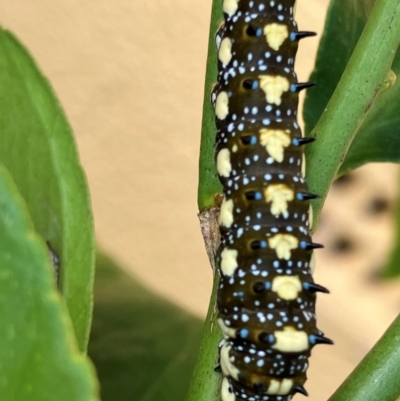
x,y
266,296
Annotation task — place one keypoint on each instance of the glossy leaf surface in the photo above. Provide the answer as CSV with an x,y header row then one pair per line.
x,y
37,147
39,357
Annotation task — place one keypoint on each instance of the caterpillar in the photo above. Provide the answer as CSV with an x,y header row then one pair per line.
x,y
266,295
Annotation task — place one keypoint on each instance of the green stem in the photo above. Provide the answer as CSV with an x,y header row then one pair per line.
x,y
209,184
377,376
365,76
392,267
205,381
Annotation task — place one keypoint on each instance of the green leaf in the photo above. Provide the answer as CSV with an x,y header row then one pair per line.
x,y
362,84
378,139
144,348
39,359
38,149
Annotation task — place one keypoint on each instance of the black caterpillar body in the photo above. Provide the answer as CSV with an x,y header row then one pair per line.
x,y
266,296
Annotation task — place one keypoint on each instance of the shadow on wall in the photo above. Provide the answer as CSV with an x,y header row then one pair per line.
x,y
143,346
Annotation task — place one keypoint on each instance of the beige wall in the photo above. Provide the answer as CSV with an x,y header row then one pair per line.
x,y
130,76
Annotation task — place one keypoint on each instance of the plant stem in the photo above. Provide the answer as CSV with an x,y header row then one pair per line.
x,y
205,382
391,269
209,184
364,78
377,376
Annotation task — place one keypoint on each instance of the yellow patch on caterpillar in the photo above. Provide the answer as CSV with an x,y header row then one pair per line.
x,y
290,340
279,195
280,387
225,51
226,395
310,217
229,262
303,165
226,331
274,86
276,34
228,368
234,148
224,166
226,213
283,244
287,287
230,7
312,263
222,105
275,141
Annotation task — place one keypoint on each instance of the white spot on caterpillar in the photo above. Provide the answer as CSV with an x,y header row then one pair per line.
x,y
274,86
308,315
226,331
283,244
275,34
290,340
222,105
213,94
287,287
310,216
228,368
224,166
274,141
279,195
225,51
312,263
280,387
226,395
229,261
218,36
226,213
230,7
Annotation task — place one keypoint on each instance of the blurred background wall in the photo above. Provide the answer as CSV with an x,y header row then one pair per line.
x,y
130,76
